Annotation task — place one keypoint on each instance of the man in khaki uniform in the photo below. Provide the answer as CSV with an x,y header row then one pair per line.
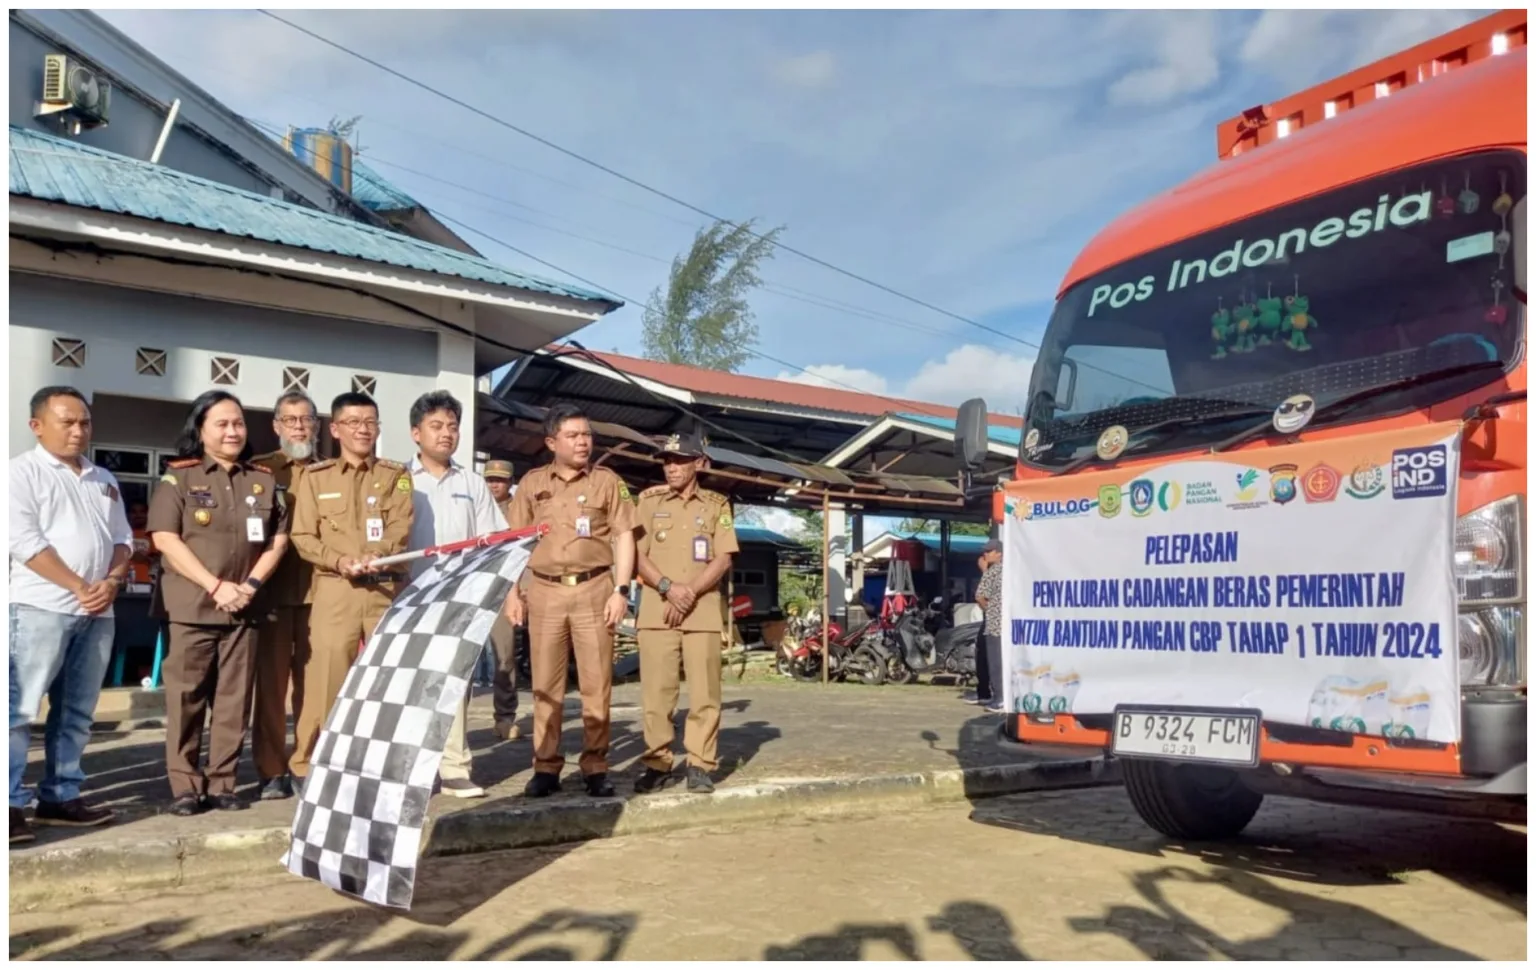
x,y
683,555
283,639
498,478
577,592
348,512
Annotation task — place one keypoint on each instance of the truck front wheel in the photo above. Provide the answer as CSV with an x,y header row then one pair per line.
x,y
1195,802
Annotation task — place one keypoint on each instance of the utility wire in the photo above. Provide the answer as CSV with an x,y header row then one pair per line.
x,y
661,193
787,292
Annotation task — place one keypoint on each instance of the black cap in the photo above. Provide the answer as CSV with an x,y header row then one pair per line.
x,y
993,545
684,445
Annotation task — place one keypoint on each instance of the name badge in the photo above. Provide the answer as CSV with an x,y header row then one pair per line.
x,y
255,530
584,526
375,530
701,548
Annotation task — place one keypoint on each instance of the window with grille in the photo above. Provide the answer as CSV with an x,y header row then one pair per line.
x,y
68,352
295,379
364,384
149,362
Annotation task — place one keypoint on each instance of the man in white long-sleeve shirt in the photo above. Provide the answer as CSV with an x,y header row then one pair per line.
x,y
70,545
451,504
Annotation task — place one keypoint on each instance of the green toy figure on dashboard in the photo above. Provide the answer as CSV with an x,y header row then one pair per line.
x,y
1298,320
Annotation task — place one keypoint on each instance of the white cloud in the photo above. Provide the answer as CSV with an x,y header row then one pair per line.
x,y
813,70
839,377
1186,48
782,521
1337,40
967,371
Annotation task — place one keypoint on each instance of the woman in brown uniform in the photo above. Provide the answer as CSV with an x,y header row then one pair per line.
x,y
221,530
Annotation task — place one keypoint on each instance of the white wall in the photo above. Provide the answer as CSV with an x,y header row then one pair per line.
x,y
114,322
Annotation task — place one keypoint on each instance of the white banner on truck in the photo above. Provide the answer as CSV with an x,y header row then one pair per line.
x,y
1310,583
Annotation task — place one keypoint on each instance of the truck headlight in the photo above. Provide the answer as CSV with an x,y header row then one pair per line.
x,y
1490,559
1491,646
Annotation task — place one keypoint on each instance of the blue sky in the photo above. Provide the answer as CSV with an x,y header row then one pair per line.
x,y
962,157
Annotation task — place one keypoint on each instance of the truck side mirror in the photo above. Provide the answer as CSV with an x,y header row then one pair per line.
x,y
1519,248
971,433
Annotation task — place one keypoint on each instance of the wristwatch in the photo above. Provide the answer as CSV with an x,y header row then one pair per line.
x,y
622,590
663,586
253,582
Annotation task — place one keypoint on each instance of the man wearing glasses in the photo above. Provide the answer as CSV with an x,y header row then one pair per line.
x,y
347,512
283,639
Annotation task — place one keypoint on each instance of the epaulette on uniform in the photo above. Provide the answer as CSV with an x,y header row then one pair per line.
x,y
256,467
184,463
390,463
655,490
317,466
712,496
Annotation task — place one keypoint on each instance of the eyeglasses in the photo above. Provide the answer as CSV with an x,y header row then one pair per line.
x,y
356,424
295,421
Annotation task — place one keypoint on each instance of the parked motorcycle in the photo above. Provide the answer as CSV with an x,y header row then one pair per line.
x,y
856,653
921,642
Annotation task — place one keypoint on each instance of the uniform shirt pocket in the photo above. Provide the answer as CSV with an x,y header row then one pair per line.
x,y
332,508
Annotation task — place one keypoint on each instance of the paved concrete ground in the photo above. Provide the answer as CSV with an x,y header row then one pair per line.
x,y
771,732
1062,875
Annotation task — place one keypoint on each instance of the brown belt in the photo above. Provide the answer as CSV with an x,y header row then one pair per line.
x,y
572,579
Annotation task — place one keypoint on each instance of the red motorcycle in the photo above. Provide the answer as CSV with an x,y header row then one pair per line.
x,y
855,653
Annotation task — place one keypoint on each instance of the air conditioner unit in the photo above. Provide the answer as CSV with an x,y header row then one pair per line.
x,y
76,94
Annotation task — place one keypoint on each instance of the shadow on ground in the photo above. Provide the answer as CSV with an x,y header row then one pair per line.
x,y
1290,839
560,934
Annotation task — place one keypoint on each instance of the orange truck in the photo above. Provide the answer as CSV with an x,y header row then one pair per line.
x,y
1266,534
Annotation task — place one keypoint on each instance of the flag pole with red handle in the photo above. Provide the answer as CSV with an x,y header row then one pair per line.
x,y
480,542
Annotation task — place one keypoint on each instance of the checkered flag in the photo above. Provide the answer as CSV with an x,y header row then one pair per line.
x,y
359,823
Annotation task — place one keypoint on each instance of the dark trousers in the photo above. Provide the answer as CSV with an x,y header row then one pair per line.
x,y
208,672
504,681
983,665
994,652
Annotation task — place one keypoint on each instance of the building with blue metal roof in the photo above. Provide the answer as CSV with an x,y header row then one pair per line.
x,y
161,246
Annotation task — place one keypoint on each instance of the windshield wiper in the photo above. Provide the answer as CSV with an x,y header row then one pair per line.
x,y
1349,402
1180,423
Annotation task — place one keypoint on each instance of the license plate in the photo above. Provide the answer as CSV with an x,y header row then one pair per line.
x,y
1185,734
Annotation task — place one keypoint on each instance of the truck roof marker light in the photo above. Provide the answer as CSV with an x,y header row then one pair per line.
x,y
1330,109
1383,89
1282,127
1500,44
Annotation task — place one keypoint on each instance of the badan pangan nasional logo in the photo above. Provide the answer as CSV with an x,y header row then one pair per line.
x,y
1202,493
1320,483
1169,495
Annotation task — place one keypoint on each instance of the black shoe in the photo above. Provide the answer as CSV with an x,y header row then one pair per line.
x,y
275,789
598,785
20,831
187,806
74,813
542,784
698,781
226,802
652,780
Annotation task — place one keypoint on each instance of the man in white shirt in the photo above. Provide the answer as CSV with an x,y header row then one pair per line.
x,y
70,549
451,504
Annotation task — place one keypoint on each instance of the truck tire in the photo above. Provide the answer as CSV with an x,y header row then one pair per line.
x,y
1195,802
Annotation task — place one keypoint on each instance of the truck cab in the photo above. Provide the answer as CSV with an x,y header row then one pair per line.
x,y
1350,269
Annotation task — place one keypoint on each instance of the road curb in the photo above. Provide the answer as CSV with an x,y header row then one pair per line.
x,y
67,870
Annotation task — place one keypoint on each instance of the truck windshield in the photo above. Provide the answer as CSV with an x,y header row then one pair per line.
x,y
1383,281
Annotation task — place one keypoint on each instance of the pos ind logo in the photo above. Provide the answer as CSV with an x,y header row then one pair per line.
x,y
1419,472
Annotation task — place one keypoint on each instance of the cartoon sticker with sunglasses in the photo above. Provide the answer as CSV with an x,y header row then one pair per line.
x,y
1293,413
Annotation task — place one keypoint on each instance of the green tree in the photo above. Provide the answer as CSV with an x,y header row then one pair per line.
x,y
703,318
